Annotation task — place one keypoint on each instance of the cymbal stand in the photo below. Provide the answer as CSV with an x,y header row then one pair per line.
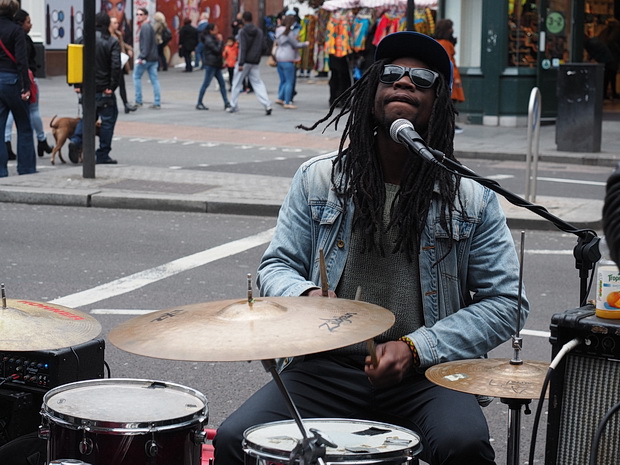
x,y
310,450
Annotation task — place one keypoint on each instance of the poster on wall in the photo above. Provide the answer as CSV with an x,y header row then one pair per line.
x,y
121,10
64,21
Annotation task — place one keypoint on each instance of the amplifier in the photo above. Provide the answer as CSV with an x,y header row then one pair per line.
x,y
583,388
43,370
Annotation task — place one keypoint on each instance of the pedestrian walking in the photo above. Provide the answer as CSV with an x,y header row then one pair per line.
x,y
250,51
444,34
204,20
188,39
128,51
147,59
108,66
230,55
213,62
15,89
287,55
22,18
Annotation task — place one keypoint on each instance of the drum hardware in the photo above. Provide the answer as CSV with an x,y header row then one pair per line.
x,y
31,326
86,445
516,382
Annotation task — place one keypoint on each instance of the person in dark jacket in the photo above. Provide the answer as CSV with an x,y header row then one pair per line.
x,y
107,75
15,90
188,39
22,18
212,45
250,51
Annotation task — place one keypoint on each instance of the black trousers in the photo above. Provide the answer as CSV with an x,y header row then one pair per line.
x,y
451,425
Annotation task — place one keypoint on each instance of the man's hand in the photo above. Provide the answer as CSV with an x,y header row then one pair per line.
x,y
240,67
319,293
25,96
108,92
395,361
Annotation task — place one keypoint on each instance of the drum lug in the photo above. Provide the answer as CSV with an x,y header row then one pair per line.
x,y
200,437
44,432
150,448
86,446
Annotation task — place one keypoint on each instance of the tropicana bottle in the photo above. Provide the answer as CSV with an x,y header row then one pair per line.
x,y
607,285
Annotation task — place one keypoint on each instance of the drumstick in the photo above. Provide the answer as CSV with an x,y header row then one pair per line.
x,y
323,270
370,343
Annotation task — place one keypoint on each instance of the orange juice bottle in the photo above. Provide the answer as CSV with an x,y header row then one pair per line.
x,y
607,285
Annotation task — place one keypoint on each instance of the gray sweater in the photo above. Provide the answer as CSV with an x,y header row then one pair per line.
x,y
287,45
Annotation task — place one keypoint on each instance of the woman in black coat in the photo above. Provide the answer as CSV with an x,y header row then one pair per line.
x,y
188,39
15,90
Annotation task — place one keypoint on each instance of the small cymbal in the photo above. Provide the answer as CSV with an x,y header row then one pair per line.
x,y
494,377
26,325
235,330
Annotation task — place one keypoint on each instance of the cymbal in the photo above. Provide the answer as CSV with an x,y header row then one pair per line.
x,y
494,377
26,325
235,330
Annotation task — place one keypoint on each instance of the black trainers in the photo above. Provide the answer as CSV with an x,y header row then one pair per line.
x,y
106,161
268,111
74,152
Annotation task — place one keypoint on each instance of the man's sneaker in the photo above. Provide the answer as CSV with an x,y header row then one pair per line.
x,y
156,107
106,161
458,130
268,111
74,152
232,109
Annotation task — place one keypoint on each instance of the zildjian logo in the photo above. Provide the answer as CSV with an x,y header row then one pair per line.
x,y
332,324
167,315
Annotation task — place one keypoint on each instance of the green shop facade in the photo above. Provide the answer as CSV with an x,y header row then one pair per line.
x,y
506,48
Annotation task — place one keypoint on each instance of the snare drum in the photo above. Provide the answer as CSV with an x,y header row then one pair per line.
x,y
358,442
124,422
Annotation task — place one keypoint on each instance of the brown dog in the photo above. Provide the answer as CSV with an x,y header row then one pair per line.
x,y
62,129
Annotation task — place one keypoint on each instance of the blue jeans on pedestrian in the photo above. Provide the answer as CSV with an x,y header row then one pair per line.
x,y
210,72
151,68
107,112
11,101
35,122
286,71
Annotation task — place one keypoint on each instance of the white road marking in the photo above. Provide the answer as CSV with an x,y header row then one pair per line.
x,y
143,278
574,181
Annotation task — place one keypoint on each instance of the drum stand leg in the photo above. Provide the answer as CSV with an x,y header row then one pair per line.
x,y
514,427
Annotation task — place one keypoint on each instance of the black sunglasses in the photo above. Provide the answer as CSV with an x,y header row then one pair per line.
x,y
421,77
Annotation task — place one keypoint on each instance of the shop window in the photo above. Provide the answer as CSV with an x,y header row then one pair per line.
x,y
523,33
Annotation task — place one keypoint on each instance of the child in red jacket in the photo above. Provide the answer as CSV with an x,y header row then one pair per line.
x,y
230,54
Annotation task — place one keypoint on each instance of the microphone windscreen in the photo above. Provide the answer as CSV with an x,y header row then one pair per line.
x,y
397,126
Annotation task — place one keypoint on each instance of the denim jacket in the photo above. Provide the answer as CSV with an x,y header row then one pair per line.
x,y
469,298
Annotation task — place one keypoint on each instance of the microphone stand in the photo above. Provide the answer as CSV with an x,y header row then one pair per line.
x,y
586,252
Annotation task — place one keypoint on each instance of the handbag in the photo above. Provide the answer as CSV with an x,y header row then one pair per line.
x,y
34,89
271,61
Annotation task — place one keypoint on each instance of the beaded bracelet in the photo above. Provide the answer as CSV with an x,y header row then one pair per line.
x,y
414,351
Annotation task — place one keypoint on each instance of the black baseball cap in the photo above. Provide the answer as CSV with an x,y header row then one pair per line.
x,y
416,45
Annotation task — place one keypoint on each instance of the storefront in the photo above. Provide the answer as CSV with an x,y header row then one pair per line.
x,y
505,48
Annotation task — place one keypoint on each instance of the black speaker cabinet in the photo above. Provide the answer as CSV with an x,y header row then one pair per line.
x,y
584,387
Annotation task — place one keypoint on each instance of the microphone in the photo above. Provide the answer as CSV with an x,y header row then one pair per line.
x,y
403,132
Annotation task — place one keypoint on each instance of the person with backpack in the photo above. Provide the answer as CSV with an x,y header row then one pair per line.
x,y
163,36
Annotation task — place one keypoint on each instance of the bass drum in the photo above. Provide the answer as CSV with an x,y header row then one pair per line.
x,y
124,422
358,442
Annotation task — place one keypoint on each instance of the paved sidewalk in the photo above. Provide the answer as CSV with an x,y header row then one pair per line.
x,y
116,186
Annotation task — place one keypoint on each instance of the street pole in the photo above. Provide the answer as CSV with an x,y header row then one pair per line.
x,y
88,91
411,15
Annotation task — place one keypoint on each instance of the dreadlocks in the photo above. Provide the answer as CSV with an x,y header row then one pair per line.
x,y
362,178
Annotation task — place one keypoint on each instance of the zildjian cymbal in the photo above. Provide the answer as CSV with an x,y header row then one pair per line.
x,y
261,329
491,377
26,325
